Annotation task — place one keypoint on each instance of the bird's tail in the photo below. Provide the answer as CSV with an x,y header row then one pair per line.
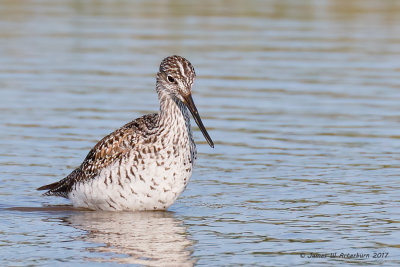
x,y
60,188
49,186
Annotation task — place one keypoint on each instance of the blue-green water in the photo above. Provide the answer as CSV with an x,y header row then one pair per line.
x,y
301,98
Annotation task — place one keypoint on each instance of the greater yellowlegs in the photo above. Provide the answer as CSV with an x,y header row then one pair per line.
x,y
147,163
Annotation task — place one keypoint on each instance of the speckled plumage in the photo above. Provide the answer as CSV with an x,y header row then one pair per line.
x,y
147,163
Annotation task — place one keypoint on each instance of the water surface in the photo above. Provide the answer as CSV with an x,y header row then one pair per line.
x,y
301,98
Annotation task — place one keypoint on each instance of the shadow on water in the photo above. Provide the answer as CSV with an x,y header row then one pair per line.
x,y
145,238
48,208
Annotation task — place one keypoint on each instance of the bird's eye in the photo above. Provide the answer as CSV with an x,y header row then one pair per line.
x,y
170,79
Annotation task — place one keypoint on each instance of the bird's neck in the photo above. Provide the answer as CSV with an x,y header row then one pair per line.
x,y
172,111
174,122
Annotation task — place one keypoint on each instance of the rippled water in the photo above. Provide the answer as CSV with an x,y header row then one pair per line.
x,y
301,98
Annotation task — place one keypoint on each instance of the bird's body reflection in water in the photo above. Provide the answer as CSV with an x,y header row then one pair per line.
x,y
147,238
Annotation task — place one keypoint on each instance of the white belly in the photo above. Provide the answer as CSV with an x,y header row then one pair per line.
x,y
142,181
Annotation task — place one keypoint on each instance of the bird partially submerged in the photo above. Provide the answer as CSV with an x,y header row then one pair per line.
x,y
147,163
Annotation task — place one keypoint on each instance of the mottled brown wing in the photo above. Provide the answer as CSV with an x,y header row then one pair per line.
x,y
108,150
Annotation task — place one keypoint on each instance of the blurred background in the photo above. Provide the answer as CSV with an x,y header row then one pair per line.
x,y
300,97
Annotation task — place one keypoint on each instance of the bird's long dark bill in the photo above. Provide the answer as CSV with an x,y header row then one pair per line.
x,y
192,107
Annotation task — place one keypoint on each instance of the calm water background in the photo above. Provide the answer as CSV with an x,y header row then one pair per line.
x,y
301,98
